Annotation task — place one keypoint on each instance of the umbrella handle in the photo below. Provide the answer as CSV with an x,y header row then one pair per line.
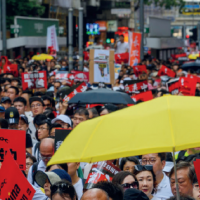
x,y
175,172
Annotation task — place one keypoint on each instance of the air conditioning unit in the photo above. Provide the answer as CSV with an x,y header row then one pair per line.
x,y
94,3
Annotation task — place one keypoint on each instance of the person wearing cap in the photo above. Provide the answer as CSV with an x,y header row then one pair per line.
x,y
6,102
134,194
12,92
23,125
63,120
12,116
47,179
169,164
2,112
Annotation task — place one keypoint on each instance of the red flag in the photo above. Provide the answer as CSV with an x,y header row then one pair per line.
x,y
166,71
134,86
197,169
13,69
139,69
144,96
187,86
173,86
121,58
14,184
81,88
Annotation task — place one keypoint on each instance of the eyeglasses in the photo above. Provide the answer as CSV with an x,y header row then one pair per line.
x,y
29,164
36,105
41,128
47,105
151,161
196,187
143,167
46,157
129,185
63,187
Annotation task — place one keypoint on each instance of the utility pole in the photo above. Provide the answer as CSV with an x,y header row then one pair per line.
x,y
131,20
80,38
70,38
142,28
4,26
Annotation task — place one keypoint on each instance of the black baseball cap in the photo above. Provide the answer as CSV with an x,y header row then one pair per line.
x,y
134,194
4,99
23,117
12,115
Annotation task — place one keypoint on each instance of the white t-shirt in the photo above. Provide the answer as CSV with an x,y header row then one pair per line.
x,y
122,47
79,188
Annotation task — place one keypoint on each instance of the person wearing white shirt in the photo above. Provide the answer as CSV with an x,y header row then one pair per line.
x,y
121,46
158,161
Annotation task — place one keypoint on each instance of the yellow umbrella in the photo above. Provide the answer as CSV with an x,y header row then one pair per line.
x,y
42,57
193,56
165,124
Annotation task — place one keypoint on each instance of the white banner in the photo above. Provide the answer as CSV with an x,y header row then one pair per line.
x,y
52,38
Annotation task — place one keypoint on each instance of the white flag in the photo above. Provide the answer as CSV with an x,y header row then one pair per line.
x,y
52,37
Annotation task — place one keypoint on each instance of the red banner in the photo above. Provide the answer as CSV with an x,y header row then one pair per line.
x,y
80,76
101,171
144,96
13,183
81,88
135,41
135,86
13,69
187,86
139,69
8,140
34,80
166,71
121,58
173,86
197,169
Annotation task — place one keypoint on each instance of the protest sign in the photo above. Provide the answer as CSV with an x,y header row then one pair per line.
x,y
134,48
101,171
173,86
135,86
80,88
121,58
102,66
166,71
52,38
64,76
13,183
8,140
144,96
139,69
187,86
34,80
60,135
13,69
80,76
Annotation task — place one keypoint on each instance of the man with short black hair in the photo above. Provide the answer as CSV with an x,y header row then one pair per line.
x,y
13,92
20,104
37,105
95,194
47,101
93,113
185,176
80,115
121,46
158,160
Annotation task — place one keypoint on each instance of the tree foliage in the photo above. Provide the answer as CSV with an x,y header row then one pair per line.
x,y
29,8
165,3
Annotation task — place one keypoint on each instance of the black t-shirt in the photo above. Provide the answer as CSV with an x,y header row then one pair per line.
x,y
28,141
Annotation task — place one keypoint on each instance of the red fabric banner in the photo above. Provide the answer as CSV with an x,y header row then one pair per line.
x,y
138,86
187,86
8,140
135,41
166,71
139,69
144,96
13,183
80,76
121,58
34,80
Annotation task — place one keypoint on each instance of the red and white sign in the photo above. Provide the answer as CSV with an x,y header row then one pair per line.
x,y
80,76
137,87
139,69
13,183
13,69
8,140
34,80
187,86
166,71
52,38
81,88
144,96
121,58
134,48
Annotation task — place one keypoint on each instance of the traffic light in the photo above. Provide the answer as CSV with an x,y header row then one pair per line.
x,y
108,40
187,36
112,40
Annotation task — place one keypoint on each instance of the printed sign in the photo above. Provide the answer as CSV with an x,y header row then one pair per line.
x,y
135,86
80,76
101,171
139,69
187,86
166,71
13,183
13,69
173,86
121,58
81,88
8,140
60,135
102,66
144,96
135,43
34,80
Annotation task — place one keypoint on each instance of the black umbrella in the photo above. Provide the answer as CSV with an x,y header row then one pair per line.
x,y
191,65
101,96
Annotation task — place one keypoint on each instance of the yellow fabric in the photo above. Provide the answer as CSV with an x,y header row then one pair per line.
x,y
193,56
149,127
42,57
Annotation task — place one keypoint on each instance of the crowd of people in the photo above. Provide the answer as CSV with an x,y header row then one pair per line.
x,y
40,112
